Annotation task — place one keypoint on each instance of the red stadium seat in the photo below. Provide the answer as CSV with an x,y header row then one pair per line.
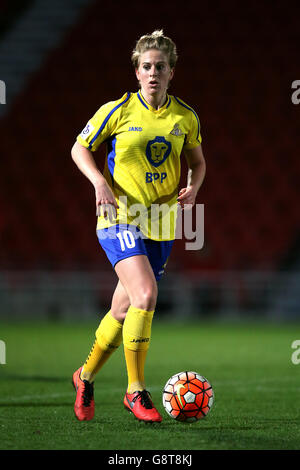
x,y
251,187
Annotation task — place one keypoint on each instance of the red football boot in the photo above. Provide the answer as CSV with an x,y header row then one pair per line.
x,y
84,406
140,404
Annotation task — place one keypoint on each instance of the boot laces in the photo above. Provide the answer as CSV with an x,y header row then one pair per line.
x,y
145,399
88,393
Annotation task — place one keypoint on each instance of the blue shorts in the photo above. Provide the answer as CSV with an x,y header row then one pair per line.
x,y
123,241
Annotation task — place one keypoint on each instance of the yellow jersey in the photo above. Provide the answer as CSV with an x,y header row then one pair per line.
x,y
142,163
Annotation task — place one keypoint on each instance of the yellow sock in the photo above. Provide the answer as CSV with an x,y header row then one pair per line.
x,y
108,339
136,340
135,361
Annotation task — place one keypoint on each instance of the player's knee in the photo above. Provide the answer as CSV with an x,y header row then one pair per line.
x,y
119,315
145,298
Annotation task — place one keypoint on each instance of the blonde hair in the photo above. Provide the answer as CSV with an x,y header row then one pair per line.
x,y
156,40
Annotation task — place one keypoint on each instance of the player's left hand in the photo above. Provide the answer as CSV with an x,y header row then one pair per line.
x,y
186,198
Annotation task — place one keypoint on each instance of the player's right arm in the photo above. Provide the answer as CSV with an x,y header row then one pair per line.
x,y
85,161
98,129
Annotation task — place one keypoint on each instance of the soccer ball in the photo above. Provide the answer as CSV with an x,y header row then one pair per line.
x,y
188,396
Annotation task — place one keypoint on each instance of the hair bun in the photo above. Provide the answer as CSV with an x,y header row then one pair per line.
x,y
156,40
158,33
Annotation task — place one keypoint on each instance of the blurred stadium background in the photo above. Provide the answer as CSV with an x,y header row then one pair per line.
x,y
60,61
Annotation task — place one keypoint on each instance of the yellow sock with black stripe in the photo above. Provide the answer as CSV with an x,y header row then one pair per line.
x,y
108,339
136,340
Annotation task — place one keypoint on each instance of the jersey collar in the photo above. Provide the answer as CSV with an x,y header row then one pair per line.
x,y
149,107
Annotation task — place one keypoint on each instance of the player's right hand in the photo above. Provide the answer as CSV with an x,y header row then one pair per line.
x,y
106,204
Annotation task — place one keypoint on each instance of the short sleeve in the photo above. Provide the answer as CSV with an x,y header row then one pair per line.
x,y
102,125
193,137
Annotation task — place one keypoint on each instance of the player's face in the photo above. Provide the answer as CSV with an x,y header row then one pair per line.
x,y
154,72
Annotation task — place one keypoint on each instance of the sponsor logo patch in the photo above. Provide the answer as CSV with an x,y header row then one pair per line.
x,y
87,130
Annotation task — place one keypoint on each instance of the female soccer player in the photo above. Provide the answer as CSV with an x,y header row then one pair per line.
x,y
136,203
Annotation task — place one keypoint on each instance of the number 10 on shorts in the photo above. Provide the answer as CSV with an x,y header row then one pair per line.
x,y
126,239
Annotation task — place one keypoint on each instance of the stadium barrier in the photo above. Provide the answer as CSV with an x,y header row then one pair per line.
x,y
49,295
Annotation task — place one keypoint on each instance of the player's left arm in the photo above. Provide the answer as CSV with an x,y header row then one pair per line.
x,y
196,174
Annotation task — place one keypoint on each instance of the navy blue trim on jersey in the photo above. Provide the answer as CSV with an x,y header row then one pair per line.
x,y
107,118
191,109
111,155
143,103
139,97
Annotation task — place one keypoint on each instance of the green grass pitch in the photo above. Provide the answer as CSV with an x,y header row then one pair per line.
x,y
256,388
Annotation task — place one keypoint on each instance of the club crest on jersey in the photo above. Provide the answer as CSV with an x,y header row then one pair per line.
x,y
158,150
176,131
